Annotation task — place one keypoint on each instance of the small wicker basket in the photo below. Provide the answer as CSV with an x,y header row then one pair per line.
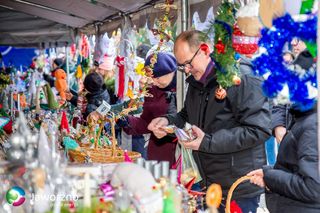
x,y
100,155
111,154
233,187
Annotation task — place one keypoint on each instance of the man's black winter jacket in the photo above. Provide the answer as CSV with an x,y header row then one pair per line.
x,y
236,129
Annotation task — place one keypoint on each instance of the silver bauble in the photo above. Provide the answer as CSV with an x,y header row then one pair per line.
x,y
15,155
17,141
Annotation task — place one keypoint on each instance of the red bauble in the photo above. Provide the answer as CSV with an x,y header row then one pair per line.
x,y
220,47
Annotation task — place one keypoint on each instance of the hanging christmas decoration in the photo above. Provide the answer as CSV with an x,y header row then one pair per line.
x,y
220,93
84,46
224,55
214,196
271,62
64,126
120,86
247,16
220,47
244,44
79,72
307,8
162,31
270,10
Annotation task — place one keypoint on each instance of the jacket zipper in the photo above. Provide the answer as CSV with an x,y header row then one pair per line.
x,y
204,110
201,123
199,119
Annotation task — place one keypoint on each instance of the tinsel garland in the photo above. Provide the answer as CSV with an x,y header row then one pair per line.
x,y
273,40
224,54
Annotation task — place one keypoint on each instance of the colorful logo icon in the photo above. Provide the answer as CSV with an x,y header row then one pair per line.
x,y
15,196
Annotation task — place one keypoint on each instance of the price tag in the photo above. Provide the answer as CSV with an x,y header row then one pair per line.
x,y
104,108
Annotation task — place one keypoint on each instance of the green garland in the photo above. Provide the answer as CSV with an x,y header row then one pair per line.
x,y
4,80
223,54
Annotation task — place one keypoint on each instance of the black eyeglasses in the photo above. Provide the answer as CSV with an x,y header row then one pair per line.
x,y
182,67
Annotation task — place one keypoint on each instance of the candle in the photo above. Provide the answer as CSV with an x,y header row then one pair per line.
x,y
53,141
157,171
153,162
18,102
173,176
140,162
57,204
165,168
87,194
148,165
11,104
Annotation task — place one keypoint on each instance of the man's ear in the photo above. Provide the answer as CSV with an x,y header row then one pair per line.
x,y
205,48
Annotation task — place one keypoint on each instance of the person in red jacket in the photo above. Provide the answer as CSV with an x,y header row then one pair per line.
x,y
162,102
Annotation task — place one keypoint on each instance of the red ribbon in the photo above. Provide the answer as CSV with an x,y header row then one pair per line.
x,y
120,64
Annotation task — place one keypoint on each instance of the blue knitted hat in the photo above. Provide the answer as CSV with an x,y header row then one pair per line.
x,y
166,63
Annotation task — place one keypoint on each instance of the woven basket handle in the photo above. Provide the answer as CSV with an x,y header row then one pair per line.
x,y
233,187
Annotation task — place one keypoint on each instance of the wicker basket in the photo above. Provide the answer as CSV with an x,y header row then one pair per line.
x,y
100,155
233,187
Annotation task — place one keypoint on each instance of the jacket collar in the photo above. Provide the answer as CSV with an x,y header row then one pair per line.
x,y
210,82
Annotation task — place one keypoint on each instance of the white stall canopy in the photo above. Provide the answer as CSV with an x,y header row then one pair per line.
x,y
54,22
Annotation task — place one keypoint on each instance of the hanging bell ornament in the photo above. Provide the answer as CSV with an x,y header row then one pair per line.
x,y
236,80
220,93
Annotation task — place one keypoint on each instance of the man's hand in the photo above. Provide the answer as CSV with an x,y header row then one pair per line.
x,y
195,144
156,126
279,132
257,177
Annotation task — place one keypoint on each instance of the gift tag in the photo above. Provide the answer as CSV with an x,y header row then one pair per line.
x,y
104,108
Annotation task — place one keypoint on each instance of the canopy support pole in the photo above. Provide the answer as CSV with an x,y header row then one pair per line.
x,y
67,65
183,19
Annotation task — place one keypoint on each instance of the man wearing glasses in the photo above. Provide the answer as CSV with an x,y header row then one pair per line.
x,y
230,133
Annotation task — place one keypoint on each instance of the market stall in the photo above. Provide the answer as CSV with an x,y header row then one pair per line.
x,y
63,147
